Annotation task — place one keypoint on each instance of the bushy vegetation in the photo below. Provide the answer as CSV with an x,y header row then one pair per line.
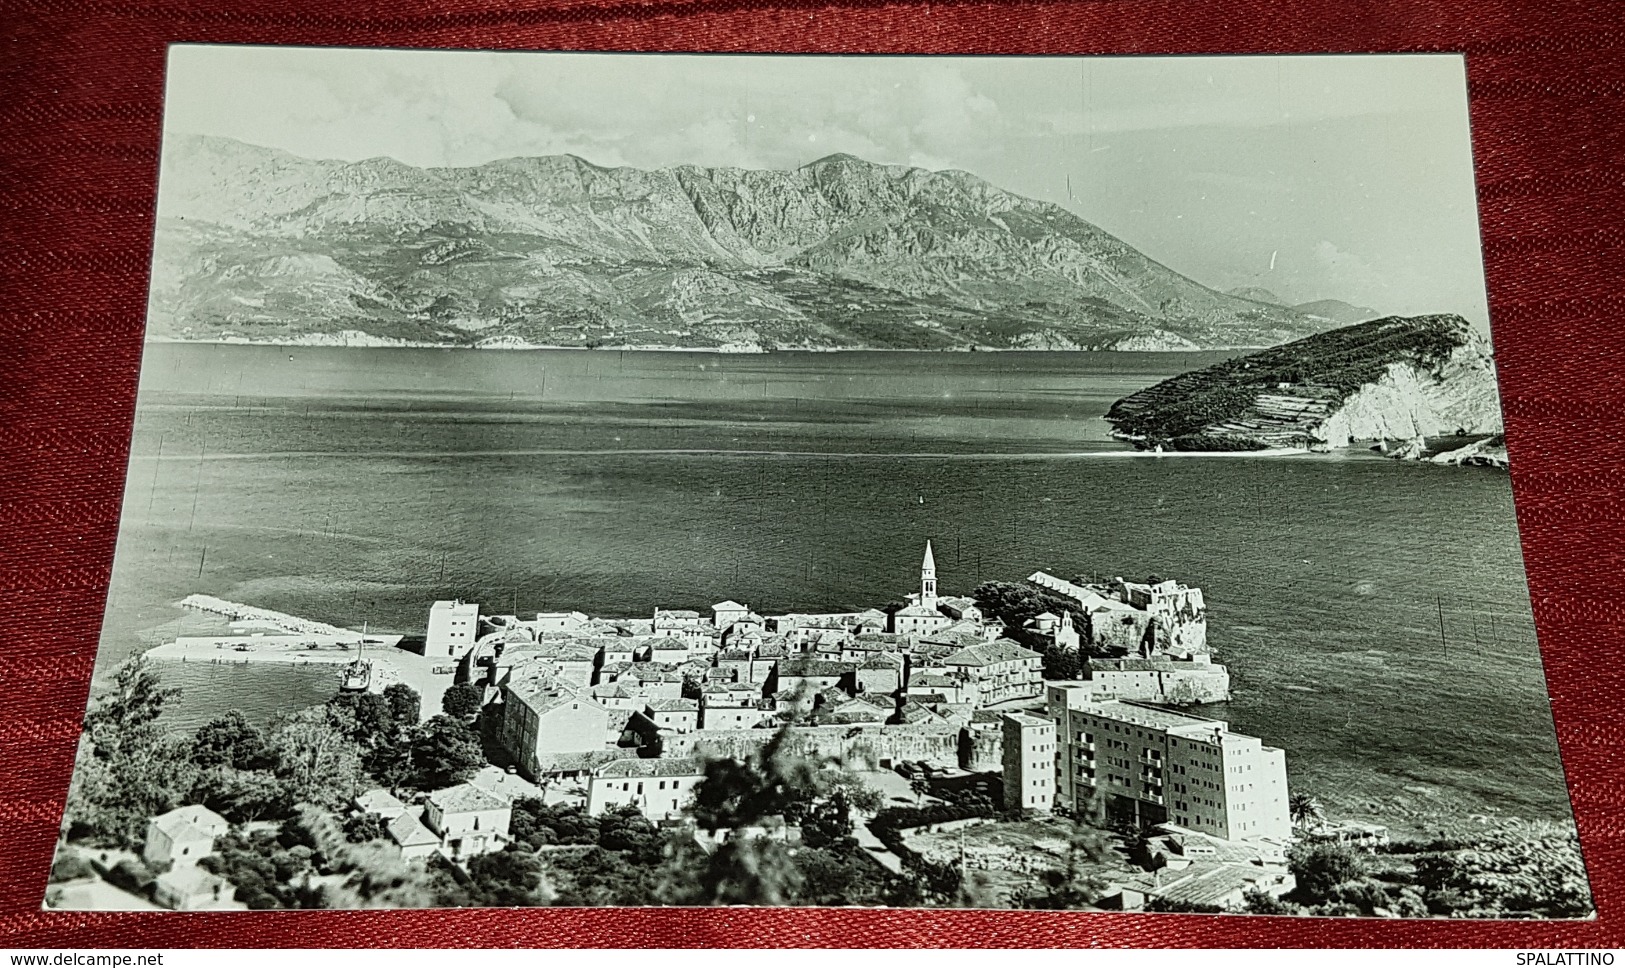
x,y
1334,364
1015,604
1532,871
131,769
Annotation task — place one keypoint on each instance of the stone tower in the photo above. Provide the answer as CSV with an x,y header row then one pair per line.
x,y
928,578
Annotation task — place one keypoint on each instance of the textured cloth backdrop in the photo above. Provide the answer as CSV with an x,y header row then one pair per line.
x,y
81,107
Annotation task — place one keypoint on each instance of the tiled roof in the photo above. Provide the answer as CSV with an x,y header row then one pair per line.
x,y
987,653
813,667
195,815
379,801
190,881
914,713
543,695
673,705
920,611
635,768
465,797
408,831
1210,883
576,762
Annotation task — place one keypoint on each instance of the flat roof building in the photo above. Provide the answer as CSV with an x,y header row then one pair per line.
x,y
1153,765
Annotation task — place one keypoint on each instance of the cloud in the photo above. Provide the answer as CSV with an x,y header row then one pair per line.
x,y
1351,273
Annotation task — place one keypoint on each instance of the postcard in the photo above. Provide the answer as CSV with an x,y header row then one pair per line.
x,y
635,479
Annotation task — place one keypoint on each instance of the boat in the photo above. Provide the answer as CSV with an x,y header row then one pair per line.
x,y
357,676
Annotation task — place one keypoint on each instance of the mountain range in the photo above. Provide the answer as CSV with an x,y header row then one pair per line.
x,y
1334,311
258,244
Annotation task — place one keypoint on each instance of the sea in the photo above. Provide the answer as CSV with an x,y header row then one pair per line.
x,y
1373,613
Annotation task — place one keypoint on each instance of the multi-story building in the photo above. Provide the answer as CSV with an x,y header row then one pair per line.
x,y
1152,765
1029,762
1001,670
453,627
542,717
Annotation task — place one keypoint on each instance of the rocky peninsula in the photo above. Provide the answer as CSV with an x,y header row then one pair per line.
x,y
1390,379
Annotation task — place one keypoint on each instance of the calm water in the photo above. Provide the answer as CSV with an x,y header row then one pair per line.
x,y
352,485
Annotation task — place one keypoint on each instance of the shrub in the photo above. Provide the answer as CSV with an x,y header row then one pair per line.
x,y
71,867
132,876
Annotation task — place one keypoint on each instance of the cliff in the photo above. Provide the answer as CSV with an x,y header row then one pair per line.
x,y
258,244
1388,379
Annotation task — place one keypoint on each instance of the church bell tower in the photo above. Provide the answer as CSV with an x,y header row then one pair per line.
x,y
928,578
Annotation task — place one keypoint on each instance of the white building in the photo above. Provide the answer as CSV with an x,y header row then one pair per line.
x,y
561,621
660,788
922,615
182,836
727,613
469,820
1029,762
1153,766
453,628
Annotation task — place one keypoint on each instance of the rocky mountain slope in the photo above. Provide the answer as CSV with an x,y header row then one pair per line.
x,y
1388,379
1336,311
255,243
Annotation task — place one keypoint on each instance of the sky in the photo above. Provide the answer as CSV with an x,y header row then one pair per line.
x,y
1315,177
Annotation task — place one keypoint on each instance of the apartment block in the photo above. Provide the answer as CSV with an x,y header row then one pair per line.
x,y
1153,765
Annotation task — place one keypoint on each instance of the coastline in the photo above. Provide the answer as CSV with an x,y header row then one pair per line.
x,y
382,343
390,663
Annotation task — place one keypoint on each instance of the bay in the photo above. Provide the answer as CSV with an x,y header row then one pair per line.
x,y
1373,613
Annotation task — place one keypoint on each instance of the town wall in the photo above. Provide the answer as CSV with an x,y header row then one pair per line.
x,y
859,747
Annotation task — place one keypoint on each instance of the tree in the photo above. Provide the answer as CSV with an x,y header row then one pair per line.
x,y
240,795
742,797
376,876
230,741
534,823
129,770
1321,869
317,762
363,716
70,867
509,878
111,799
390,764
1536,871
1258,901
362,827
404,703
627,830
827,822
445,753
462,701
124,720
1305,810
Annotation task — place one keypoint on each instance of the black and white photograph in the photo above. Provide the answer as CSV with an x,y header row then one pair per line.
x,y
1064,483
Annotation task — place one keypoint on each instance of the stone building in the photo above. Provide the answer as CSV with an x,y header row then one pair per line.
x,y
1001,670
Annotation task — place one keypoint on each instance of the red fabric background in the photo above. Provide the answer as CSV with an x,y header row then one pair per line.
x,y
80,108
